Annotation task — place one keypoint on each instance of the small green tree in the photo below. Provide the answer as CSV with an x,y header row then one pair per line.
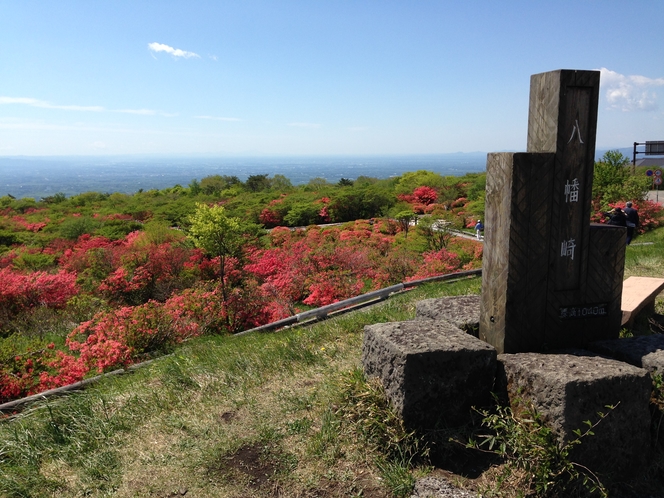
x,y
405,218
279,183
217,234
437,232
194,188
257,183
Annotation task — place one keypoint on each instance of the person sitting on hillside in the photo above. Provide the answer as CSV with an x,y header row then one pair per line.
x,y
632,220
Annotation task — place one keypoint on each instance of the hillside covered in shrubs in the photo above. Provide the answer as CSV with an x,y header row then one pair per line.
x,y
97,281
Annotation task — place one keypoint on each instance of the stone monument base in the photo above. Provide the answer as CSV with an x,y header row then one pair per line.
x,y
433,373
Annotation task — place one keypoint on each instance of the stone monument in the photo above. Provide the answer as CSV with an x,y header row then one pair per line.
x,y
551,279
551,283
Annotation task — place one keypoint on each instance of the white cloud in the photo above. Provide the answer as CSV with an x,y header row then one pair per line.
x,y
47,105
213,57
142,112
304,125
175,52
215,118
95,108
98,145
630,93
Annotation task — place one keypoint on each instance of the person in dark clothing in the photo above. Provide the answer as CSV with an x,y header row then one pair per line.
x,y
616,217
632,221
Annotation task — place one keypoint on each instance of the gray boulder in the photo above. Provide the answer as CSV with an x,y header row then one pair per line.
x,y
641,351
461,311
432,372
567,390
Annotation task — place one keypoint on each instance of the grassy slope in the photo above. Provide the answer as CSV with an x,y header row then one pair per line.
x,y
271,402
256,415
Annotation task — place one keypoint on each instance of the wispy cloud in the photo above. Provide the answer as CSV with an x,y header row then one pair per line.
x,y
48,105
142,112
630,93
213,57
215,118
305,125
175,52
82,108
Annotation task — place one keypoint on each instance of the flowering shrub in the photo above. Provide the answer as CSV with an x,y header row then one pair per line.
x,y
21,362
176,294
270,218
331,286
118,337
437,263
425,195
20,291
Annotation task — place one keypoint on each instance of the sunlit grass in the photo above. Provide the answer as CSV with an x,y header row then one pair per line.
x,y
222,411
177,423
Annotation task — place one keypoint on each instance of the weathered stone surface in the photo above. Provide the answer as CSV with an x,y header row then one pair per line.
x,y
432,372
568,390
642,351
550,279
461,311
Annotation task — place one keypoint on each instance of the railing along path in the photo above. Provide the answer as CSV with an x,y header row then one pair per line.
x,y
305,317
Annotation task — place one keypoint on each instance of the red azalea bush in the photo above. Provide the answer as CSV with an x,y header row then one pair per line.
x,y
270,218
425,195
176,293
23,291
437,263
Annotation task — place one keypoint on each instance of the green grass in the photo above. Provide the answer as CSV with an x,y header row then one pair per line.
x,y
264,412
285,413
645,256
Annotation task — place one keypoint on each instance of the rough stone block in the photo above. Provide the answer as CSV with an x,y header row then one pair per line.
x,y
567,390
641,351
461,311
432,372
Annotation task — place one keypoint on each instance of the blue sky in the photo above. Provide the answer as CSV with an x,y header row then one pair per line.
x,y
314,77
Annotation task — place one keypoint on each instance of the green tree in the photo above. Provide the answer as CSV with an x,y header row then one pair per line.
x,y
73,228
302,214
217,234
405,218
413,179
257,183
613,182
437,232
316,184
194,187
280,183
214,184
55,199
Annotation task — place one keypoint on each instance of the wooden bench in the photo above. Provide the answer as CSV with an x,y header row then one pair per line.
x,y
638,294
